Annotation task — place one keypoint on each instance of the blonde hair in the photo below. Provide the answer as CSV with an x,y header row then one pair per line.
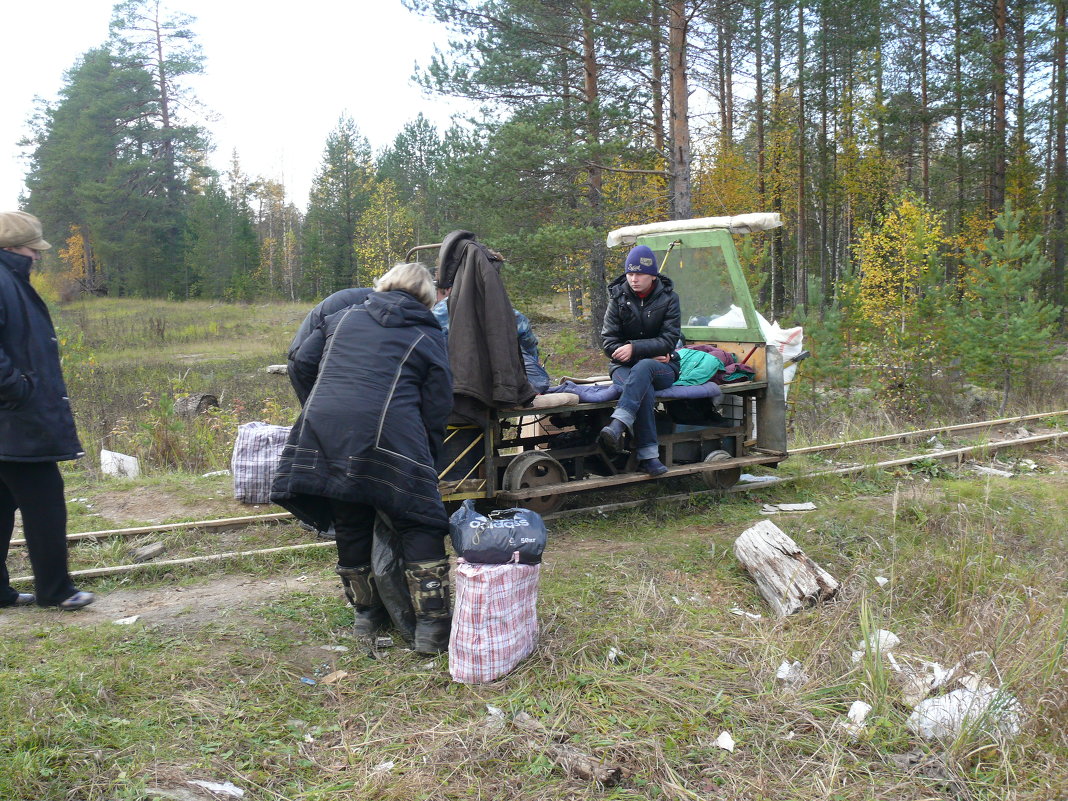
x,y
412,278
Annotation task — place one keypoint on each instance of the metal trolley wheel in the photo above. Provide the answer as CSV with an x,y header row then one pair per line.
x,y
720,479
534,469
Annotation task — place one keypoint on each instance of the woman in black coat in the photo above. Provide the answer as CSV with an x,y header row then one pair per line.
x,y
36,425
377,394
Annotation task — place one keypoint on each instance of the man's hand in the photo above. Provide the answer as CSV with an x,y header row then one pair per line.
x,y
623,353
664,359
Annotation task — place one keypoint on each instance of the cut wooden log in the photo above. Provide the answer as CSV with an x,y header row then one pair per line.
x,y
787,579
197,403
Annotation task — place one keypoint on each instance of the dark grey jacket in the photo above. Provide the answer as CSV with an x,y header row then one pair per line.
x,y
36,423
377,392
652,325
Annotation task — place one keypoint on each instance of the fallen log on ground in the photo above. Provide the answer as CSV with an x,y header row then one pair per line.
x,y
786,578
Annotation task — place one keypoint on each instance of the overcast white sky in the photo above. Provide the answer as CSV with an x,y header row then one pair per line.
x,y
278,76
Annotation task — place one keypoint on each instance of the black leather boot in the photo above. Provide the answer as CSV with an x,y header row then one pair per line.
x,y
360,589
432,602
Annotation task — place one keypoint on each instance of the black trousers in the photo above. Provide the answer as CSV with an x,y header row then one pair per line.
x,y
354,525
36,489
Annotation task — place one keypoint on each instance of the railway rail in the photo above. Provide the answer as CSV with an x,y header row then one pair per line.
x,y
231,523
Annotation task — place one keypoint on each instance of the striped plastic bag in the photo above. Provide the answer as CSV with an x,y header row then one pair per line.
x,y
494,619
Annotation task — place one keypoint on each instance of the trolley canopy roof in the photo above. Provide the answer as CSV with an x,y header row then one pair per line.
x,y
738,224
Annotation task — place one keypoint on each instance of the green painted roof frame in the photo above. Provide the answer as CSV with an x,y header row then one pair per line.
x,y
721,238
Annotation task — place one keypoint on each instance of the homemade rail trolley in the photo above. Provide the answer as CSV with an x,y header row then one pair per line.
x,y
536,457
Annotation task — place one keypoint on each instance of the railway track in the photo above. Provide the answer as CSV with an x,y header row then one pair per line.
x,y
224,524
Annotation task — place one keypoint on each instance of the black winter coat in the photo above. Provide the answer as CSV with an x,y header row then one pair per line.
x,y
36,423
378,393
331,304
652,325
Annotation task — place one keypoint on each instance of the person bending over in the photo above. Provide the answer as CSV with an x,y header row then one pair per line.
x,y
377,391
641,330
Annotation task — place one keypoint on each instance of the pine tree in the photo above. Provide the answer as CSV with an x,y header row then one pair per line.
x,y
1004,329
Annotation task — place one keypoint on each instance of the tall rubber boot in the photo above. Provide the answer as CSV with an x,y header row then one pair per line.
x,y
360,589
432,601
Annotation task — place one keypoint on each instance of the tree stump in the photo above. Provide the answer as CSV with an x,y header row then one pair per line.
x,y
193,405
786,578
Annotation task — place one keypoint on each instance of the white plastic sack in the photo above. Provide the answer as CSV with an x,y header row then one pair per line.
x,y
788,341
256,452
494,619
991,710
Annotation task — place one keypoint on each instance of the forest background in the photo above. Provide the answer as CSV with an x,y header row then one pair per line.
x,y
890,138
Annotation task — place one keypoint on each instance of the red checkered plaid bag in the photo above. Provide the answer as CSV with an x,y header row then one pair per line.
x,y
494,619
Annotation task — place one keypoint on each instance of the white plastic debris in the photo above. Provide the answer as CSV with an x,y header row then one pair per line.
x,y
222,788
791,673
126,621
855,717
737,610
1026,464
341,649
984,708
215,473
725,741
775,508
918,682
749,478
383,767
614,654
881,641
119,464
936,444
991,471
858,712
882,581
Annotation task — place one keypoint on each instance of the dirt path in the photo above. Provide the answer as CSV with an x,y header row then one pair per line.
x,y
212,601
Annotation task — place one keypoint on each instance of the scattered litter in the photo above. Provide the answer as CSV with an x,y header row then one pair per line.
x,y
1023,432
334,678
918,684
990,471
214,473
383,641
936,444
383,767
614,654
341,649
882,581
1026,464
859,712
982,707
737,610
791,673
725,741
748,478
301,578
126,621
78,500
855,717
495,718
225,788
773,508
881,641
119,464
306,680
276,369
676,600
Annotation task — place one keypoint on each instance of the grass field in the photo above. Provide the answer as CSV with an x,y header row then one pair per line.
x,y
642,663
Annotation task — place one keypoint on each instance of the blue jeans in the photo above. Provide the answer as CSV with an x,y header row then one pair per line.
x,y
636,408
